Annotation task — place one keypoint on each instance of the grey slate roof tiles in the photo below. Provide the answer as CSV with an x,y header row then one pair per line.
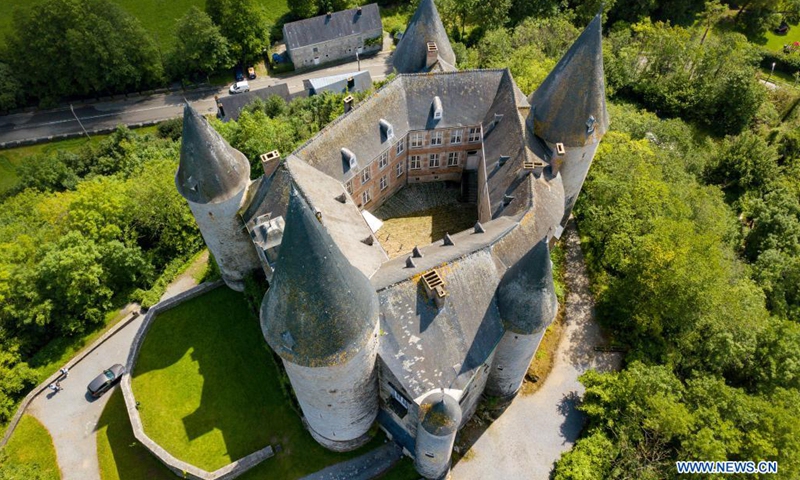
x,y
340,24
210,170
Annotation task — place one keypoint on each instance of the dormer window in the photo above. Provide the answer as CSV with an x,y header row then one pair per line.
x,y
386,129
590,124
437,108
349,158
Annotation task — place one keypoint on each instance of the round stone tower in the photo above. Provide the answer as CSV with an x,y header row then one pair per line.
x,y
321,316
440,416
527,302
213,177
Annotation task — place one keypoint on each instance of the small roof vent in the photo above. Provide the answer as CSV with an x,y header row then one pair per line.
x,y
437,108
349,158
503,160
410,263
341,198
507,199
560,148
434,287
448,240
590,124
479,228
386,129
369,241
416,253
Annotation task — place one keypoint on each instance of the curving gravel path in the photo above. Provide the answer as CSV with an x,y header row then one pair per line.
x,y
536,429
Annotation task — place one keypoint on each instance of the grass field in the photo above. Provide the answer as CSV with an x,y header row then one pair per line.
x,y
31,445
157,16
776,42
210,393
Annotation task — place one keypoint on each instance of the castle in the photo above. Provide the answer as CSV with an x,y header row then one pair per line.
x,y
413,342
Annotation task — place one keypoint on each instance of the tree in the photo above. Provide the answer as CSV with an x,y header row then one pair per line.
x,y
200,47
81,47
711,15
743,162
244,23
303,8
11,93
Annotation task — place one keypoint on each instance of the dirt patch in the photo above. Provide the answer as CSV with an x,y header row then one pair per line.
x,y
400,235
545,355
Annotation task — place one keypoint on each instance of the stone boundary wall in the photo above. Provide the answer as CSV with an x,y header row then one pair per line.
x,y
52,378
178,467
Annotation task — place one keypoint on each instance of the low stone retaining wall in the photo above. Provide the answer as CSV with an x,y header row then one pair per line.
x,y
67,136
52,378
178,467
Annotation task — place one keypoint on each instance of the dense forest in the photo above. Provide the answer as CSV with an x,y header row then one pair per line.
x,y
690,216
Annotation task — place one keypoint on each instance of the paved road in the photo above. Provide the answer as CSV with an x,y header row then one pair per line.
x,y
71,418
533,432
101,115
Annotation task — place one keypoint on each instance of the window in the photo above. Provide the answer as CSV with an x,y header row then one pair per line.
x,y
474,134
452,159
437,137
384,160
365,176
415,162
455,136
400,147
399,169
384,183
417,140
366,196
349,187
433,160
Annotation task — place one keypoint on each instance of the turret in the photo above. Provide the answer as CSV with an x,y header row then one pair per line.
x,y
320,315
568,110
440,416
213,177
527,303
424,37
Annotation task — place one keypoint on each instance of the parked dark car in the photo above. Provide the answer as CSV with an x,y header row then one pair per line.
x,y
238,73
251,73
103,382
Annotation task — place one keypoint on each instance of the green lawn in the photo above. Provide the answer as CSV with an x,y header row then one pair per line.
x,y
157,16
210,393
776,42
30,448
11,158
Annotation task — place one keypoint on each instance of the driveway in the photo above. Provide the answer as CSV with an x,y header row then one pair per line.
x,y
71,418
153,108
536,429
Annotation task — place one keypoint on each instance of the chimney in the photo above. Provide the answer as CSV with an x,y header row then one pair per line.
x,y
328,15
348,103
270,161
358,11
433,54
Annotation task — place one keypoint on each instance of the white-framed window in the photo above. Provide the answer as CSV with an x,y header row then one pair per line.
x,y
349,186
399,169
384,160
455,136
437,137
433,160
366,196
417,140
384,183
474,134
401,145
365,175
452,159
414,162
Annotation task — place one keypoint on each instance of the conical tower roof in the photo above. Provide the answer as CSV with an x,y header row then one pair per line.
x,y
574,92
319,309
526,296
425,26
441,414
210,171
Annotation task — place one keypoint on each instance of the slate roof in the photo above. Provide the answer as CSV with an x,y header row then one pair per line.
x,y
526,296
233,104
340,24
319,309
425,26
210,170
574,90
441,414
338,83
